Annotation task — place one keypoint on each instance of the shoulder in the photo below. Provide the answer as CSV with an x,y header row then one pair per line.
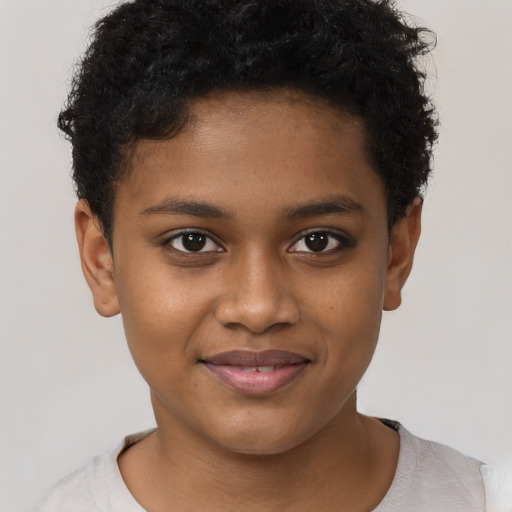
x,y
96,487
498,487
436,462
432,476
76,492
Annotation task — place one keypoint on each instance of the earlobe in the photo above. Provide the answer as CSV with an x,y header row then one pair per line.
x,y
96,260
404,239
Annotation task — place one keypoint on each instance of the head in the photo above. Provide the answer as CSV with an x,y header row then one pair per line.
x,y
249,175
150,60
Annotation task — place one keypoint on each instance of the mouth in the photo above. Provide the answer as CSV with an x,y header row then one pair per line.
x,y
256,373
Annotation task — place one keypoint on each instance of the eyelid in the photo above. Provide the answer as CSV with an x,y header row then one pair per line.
x,y
184,231
345,241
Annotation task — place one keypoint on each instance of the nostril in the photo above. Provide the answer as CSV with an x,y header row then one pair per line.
x,y
256,296
235,314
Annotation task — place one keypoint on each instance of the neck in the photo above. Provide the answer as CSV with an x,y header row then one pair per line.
x,y
350,460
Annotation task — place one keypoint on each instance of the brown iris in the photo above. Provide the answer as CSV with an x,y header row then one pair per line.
x,y
317,241
194,241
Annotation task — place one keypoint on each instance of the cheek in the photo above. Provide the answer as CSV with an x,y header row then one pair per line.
x,y
349,310
161,311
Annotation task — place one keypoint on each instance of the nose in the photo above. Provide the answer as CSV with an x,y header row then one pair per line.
x,y
256,296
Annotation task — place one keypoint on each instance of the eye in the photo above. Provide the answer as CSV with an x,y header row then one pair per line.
x,y
320,241
192,241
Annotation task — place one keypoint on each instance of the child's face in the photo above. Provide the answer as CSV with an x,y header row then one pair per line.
x,y
262,226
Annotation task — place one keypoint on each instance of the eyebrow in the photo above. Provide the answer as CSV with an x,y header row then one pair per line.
x,y
336,204
172,206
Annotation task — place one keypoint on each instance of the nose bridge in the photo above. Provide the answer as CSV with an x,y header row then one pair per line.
x,y
256,295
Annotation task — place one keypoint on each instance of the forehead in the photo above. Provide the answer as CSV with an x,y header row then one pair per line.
x,y
252,144
230,114
263,108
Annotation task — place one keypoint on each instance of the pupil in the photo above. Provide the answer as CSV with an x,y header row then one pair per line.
x,y
194,241
317,241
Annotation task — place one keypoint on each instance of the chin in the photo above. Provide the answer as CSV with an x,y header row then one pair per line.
x,y
266,440
261,447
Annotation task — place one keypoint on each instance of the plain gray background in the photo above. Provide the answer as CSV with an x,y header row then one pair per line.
x,y
444,364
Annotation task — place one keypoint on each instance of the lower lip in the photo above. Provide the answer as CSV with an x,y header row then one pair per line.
x,y
254,382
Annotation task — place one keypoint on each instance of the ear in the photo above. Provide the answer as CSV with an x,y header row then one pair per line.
x,y
404,238
96,259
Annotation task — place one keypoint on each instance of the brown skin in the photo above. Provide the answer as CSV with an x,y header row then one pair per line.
x,y
256,286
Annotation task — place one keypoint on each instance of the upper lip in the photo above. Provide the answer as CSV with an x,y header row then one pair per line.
x,y
250,358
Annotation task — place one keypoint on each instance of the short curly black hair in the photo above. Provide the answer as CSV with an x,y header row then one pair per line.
x,y
149,59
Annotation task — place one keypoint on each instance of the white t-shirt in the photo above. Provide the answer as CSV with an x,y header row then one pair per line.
x,y
430,477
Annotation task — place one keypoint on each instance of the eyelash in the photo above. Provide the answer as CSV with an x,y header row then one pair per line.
x,y
181,236
342,241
